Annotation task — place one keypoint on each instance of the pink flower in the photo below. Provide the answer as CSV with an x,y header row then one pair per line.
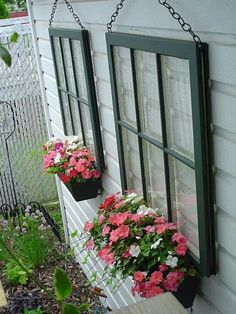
x,y
170,226
119,204
105,230
101,219
126,254
121,232
139,276
106,255
88,226
181,249
172,281
118,219
87,174
160,229
159,220
73,173
136,217
152,290
179,238
96,174
163,268
64,178
80,168
90,244
149,229
156,277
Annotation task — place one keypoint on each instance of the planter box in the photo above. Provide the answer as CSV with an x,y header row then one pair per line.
x,y
187,291
84,191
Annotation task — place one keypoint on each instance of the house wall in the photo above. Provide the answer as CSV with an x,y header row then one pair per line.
x,y
214,21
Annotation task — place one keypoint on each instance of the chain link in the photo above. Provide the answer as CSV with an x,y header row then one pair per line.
x,y
70,8
185,26
114,15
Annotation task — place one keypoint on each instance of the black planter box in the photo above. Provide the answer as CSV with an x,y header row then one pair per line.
x,y
187,291
85,190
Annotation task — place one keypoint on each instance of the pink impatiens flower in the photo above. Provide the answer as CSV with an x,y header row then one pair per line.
x,y
156,277
149,229
181,249
179,238
105,230
90,244
118,219
88,226
121,232
139,276
106,255
161,228
101,219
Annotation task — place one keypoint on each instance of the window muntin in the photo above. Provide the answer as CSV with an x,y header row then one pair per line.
x,y
165,87
75,83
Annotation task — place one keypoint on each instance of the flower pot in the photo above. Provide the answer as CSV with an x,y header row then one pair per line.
x,y
84,190
187,291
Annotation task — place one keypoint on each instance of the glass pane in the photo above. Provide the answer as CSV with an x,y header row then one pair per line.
x,y
132,161
148,94
67,115
86,120
184,202
124,82
59,64
155,176
68,65
76,117
79,69
178,107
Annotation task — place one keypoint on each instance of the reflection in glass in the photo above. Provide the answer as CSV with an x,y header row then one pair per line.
x,y
148,94
184,202
59,67
76,117
68,65
178,105
155,176
88,133
67,114
124,82
79,69
132,161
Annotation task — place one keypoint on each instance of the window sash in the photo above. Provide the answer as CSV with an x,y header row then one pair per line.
x,y
91,102
197,58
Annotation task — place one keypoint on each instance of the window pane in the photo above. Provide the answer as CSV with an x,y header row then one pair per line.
x,y
184,203
59,67
155,176
67,115
76,117
124,82
79,69
68,65
88,133
148,94
132,161
178,108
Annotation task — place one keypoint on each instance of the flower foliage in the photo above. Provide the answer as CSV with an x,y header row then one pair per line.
x,y
136,240
70,160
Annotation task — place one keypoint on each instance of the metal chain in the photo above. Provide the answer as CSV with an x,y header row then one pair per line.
x,y
70,8
185,26
114,15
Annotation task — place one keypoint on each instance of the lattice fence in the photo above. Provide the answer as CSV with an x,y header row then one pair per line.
x,y
19,85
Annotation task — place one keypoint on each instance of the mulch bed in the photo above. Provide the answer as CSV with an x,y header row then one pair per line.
x,y
31,296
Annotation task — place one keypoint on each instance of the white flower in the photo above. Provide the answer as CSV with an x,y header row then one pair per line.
x,y
25,224
155,245
136,199
24,230
57,158
72,146
143,210
51,141
72,139
130,197
134,250
172,261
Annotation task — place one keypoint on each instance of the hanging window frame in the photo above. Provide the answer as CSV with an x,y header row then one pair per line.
x,y
202,165
82,36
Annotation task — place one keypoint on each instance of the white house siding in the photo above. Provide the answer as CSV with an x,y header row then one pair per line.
x,y
214,21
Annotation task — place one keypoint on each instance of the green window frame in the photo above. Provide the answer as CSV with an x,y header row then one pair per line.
x,y
76,88
200,166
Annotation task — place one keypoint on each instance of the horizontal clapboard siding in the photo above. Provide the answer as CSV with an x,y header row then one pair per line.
x,y
214,21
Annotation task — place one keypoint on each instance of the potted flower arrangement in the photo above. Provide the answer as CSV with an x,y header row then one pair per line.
x,y
75,166
135,240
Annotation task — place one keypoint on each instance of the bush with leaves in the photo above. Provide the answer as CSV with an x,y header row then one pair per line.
x,y
3,10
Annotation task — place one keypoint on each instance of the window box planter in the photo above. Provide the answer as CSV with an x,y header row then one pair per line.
x,y
187,291
85,190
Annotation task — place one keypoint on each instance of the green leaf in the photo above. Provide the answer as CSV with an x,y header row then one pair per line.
x,y
84,307
74,234
5,55
62,284
70,309
14,37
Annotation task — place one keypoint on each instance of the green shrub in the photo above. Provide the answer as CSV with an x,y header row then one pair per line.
x,y
15,274
3,10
